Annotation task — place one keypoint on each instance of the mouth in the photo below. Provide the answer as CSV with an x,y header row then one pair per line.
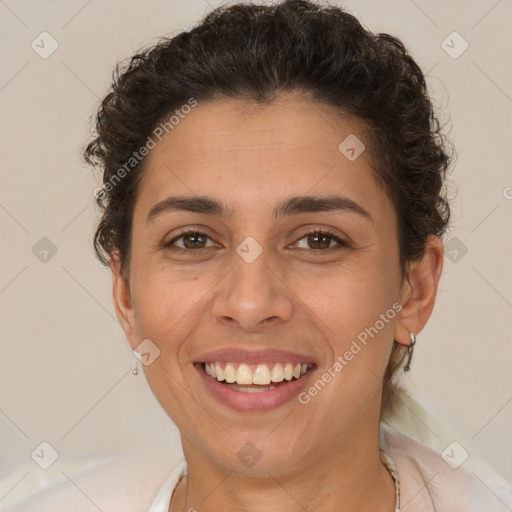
x,y
254,387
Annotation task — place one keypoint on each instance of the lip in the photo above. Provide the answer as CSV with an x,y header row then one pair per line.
x,y
260,356
254,402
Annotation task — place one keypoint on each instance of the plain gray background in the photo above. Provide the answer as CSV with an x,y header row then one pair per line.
x,y
66,368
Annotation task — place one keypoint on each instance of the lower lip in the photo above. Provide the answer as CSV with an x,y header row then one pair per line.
x,y
259,401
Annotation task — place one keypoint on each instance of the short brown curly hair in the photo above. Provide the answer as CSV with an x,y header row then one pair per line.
x,y
257,53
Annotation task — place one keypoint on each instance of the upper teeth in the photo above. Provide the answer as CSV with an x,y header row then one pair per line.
x,y
255,374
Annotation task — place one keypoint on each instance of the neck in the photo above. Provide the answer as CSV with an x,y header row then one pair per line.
x,y
350,477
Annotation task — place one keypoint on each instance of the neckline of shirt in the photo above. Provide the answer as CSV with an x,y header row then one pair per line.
x,y
390,465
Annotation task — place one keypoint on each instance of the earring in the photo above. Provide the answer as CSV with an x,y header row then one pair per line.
x,y
410,350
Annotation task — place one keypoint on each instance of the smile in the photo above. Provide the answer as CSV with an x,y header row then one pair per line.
x,y
254,387
260,374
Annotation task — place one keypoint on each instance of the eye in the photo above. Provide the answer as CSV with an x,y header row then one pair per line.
x,y
320,240
192,241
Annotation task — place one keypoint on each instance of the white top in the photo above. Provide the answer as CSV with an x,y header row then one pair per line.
x,y
425,481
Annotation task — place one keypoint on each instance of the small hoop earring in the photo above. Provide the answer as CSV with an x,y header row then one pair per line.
x,y
410,350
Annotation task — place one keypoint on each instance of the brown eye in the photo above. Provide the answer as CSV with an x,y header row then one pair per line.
x,y
321,240
191,240
194,240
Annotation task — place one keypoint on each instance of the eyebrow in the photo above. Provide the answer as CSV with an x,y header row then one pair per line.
x,y
292,206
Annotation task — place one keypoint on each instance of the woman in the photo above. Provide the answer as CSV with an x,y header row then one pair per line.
x,y
272,215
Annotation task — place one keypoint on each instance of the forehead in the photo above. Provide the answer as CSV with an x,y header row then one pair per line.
x,y
286,127
247,153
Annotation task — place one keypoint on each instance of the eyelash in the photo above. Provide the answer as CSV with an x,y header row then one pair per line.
x,y
327,233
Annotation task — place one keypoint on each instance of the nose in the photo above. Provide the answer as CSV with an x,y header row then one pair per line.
x,y
253,296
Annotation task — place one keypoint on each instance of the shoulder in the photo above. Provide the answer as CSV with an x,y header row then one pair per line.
x,y
126,482
430,480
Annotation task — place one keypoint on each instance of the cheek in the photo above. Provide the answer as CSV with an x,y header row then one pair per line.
x,y
170,304
167,309
353,298
356,305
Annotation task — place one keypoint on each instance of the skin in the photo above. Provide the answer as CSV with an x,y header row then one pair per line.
x,y
314,456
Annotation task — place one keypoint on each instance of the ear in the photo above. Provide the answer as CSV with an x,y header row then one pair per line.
x,y
418,292
122,299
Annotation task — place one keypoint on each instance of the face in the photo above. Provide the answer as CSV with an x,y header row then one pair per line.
x,y
273,280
